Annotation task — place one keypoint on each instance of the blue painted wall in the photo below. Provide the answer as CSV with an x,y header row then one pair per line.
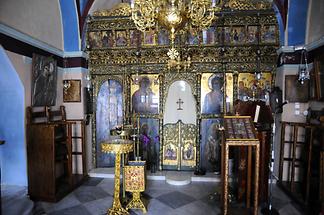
x,y
281,26
297,16
13,153
70,25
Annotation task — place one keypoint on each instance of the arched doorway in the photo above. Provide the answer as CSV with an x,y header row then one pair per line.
x,y
12,130
179,139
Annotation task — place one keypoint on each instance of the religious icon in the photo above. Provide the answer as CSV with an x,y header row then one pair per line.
x,y
150,142
209,36
73,92
220,35
178,40
163,38
121,38
243,91
135,38
268,34
227,35
44,81
145,99
210,145
188,152
109,114
192,37
94,39
107,39
294,90
149,37
170,152
238,35
250,88
213,100
252,34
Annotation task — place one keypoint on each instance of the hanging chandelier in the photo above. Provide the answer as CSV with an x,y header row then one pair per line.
x,y
174,15
303,70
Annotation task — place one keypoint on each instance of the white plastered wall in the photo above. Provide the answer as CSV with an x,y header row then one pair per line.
x,y
315,21
103,5
288,115
40,19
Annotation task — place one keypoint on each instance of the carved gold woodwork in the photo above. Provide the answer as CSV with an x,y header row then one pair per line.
x,y
117,146
135,183
249,5
120,63
179,149
245,55
122,9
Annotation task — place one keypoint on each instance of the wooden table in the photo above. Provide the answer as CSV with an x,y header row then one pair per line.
x,y
117,146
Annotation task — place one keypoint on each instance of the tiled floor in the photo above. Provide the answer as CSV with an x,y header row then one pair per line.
x,y
95,196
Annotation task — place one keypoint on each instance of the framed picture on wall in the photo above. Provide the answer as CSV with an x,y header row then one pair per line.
x,y
319,78
71,90
294,90
312,85
44,76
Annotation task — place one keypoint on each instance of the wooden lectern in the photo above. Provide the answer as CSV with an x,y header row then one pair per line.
x,y
240,131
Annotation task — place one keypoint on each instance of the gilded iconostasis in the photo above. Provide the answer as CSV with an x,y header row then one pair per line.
x,y
234,59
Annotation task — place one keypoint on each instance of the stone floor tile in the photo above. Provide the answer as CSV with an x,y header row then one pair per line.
x,y
175,199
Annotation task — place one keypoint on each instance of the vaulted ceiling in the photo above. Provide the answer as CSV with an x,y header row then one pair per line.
x,y
60,23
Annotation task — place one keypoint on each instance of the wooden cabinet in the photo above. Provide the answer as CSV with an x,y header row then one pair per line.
x,y
50,155
300,164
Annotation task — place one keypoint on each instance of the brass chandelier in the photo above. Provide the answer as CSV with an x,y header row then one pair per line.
x,y
174,15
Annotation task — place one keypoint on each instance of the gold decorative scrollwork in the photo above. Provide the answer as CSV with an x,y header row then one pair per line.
x,y
179,150
121,62
249,4
199,55
240,20
122,9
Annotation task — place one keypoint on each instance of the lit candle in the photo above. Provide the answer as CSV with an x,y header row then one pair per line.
x,y
213,3
132,3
